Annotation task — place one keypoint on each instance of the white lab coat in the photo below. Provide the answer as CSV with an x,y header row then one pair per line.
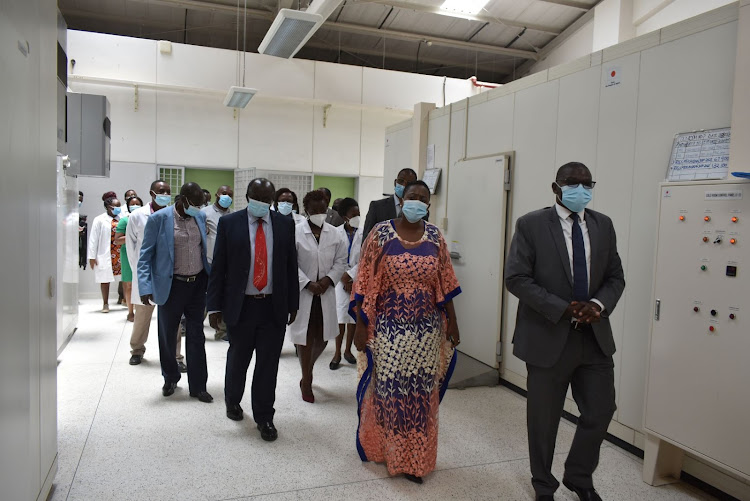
x,y
317,260
342,297
133,243
100,248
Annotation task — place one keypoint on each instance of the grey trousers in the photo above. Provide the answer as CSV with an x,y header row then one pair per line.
x,y
141,327
590,374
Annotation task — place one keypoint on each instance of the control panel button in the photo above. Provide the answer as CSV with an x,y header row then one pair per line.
x,y
704,267
707,218
732,241
735,219
718,239
696,309
705,239
732,316
681,218
731,271
711,328
713,313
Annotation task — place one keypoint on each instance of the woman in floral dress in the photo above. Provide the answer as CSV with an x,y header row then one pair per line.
x,y
407,329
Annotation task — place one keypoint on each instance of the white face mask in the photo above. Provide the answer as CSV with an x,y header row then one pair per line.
x,y
317,219
354,222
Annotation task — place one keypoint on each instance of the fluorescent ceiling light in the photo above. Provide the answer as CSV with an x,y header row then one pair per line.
x,y
238,97
471,7
289,32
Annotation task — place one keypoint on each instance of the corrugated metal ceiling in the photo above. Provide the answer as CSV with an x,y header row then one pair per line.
x,y
404,35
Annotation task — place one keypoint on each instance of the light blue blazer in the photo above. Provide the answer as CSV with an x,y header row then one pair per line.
x,y
156,262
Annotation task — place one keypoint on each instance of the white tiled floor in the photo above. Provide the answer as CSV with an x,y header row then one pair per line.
x,y
119,439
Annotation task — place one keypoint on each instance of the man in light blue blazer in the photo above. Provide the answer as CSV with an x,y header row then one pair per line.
x,y
173,273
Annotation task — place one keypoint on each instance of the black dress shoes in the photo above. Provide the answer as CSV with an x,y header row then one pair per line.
x,y
413,478
136,359
268,431
350,358
545,497
168,389
203,396
584,494
234,412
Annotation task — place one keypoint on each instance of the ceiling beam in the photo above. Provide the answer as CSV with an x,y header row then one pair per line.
x,y
284,4
481,18
443,42
211,7
570,3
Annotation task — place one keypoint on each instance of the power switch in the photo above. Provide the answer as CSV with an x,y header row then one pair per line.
x,y
713,313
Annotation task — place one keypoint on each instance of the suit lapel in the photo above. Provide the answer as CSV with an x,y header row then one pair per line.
x,y
170,231
594,233
391,206
559,238
245,236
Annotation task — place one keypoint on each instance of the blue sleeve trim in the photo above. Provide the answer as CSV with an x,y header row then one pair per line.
x,y
449,297
358,298
448,374
364,383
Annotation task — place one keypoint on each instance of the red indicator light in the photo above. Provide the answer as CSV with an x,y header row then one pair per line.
x,y
712,328
734,219
707,218
731,316
732,241
682,218
696,309
705,239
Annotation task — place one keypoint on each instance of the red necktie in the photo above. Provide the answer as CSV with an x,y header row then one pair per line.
x,y
260,275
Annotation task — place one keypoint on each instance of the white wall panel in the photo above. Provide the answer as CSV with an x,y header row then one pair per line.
x,y
578,118
399,90
664,109
276,135
579,44
110,56
276,76
199,132
338,83
372,141
490,127
199,67
438,133
614,175
398,143
336,147
534,142
368,189
667,13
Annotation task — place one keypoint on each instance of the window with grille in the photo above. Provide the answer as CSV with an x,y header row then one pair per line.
x,y
173,176
299,183
242,178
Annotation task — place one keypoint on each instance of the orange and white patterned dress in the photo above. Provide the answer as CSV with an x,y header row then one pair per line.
x,y
403,288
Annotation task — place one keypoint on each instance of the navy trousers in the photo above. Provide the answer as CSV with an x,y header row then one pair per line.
x,y
189,299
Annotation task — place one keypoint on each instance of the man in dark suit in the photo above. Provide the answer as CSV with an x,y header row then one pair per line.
x,y
564,268
254,285
332,216
390,207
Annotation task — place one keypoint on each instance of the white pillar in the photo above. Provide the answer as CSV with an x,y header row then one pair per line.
x,y
739,153
419,128
613,23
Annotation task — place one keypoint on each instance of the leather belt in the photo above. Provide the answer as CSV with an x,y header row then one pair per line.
x,y
581,327
258,296
185,278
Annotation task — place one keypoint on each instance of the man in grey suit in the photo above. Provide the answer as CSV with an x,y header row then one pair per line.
x,y
564,268
388,208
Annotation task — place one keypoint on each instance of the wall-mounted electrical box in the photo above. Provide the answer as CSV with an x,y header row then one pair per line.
x,y
88,135
697,394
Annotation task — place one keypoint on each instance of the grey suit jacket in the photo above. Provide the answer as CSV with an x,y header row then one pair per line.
x,y
537,272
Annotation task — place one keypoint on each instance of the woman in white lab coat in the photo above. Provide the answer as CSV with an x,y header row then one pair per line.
x,y
321,258
284,203
351,233
103,253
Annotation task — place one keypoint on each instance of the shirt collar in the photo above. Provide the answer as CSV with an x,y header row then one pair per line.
x,y
253,219
564,212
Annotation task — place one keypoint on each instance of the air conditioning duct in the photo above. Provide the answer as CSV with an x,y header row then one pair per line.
x,y
292,29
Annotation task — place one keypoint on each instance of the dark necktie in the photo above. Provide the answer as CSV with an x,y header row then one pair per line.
x,y
580,275
260,275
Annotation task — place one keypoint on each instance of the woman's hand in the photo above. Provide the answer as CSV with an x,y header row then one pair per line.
x,y
314,288
324,283
360,336
93,263
348,287
452,334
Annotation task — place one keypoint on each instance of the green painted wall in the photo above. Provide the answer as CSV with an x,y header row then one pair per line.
x,y
210,179
341,187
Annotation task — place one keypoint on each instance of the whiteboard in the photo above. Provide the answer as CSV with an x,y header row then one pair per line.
x,y
700,155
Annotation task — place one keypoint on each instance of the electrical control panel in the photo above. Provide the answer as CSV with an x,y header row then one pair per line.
x,y
698,392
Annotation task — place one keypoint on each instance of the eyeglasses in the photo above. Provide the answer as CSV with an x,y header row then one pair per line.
x,y
588,186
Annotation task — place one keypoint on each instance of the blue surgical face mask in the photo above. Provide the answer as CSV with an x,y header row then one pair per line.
x,y
399,190
163,200
191,210
257,208
414,210
225,201
575,198
80,202
134,207
116,211
285,208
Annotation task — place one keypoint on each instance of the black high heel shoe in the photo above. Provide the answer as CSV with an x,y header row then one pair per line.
x,y
412,478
